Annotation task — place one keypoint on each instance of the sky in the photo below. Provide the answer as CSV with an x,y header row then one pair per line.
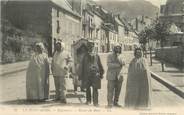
x,y
155,2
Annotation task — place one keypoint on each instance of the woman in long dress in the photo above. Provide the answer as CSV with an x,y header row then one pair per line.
x,y
37,76
138,89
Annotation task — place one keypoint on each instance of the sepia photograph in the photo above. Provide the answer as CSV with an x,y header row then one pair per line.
x,y
92,57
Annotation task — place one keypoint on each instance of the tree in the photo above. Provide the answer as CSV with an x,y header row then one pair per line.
x,y
156,31
145,36
143,41
161,33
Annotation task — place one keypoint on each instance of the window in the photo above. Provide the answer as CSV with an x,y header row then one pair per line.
x,y
162,9
57,13
58,27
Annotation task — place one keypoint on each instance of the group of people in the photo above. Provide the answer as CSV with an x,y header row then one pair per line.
x,y
138,87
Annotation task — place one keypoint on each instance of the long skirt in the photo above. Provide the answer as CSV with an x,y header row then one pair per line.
x,y
37,83
138,90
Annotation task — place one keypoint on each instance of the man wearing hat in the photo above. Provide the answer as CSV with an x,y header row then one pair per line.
x,y
114,76
59,69
91,74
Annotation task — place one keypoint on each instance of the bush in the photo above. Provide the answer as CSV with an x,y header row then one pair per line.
x,y
8,57
17,44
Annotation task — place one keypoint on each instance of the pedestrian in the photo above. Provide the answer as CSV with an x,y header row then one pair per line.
x,y
59,69
37,76
114,76
138,89
91,74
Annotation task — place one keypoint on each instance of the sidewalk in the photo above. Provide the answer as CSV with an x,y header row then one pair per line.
x,y
13,67
171,76
6,69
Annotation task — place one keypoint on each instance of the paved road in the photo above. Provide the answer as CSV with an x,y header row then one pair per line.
x,y
13,88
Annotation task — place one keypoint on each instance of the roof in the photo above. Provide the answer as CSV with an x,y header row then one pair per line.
x,y
119,21
65,5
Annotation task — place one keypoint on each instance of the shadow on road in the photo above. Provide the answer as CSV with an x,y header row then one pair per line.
x,y
26,102
159,90
70,94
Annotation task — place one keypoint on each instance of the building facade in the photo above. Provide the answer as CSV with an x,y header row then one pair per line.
x,y
121,31
67,20
173,13
140,22
50,19
66,24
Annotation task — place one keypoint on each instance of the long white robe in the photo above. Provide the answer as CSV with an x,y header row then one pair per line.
x,y
37,82
59,61
138,89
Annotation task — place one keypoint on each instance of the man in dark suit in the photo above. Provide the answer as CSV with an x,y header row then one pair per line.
x,y
91,74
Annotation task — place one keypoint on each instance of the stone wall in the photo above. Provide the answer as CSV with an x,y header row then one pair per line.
x,y
33,17
66,27
172,55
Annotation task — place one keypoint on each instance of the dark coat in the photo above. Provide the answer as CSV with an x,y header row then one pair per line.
x,y
91,71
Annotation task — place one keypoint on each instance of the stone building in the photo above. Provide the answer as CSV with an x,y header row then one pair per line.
x,y
140,22
66,23
173,13
88,24
110,30
93,26
121,29
68,20
98,31
100,26
50,19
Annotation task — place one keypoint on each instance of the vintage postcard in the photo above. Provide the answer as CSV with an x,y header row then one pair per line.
x,y
92,57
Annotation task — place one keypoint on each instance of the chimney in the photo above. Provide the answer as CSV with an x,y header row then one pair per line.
x,y
137,23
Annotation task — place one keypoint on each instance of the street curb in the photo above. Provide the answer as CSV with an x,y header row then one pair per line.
x,y
11,72
168,84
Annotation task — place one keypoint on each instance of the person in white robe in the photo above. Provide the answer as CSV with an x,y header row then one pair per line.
x,y
60,70
37,76
138,89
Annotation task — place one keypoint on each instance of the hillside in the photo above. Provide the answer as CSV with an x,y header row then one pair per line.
x,y
130,9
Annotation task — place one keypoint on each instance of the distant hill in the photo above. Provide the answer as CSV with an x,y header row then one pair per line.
x,y
130,9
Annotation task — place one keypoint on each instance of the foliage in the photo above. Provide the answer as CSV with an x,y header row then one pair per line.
x,y
145,35
161,32
157,31
13,44
142,37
